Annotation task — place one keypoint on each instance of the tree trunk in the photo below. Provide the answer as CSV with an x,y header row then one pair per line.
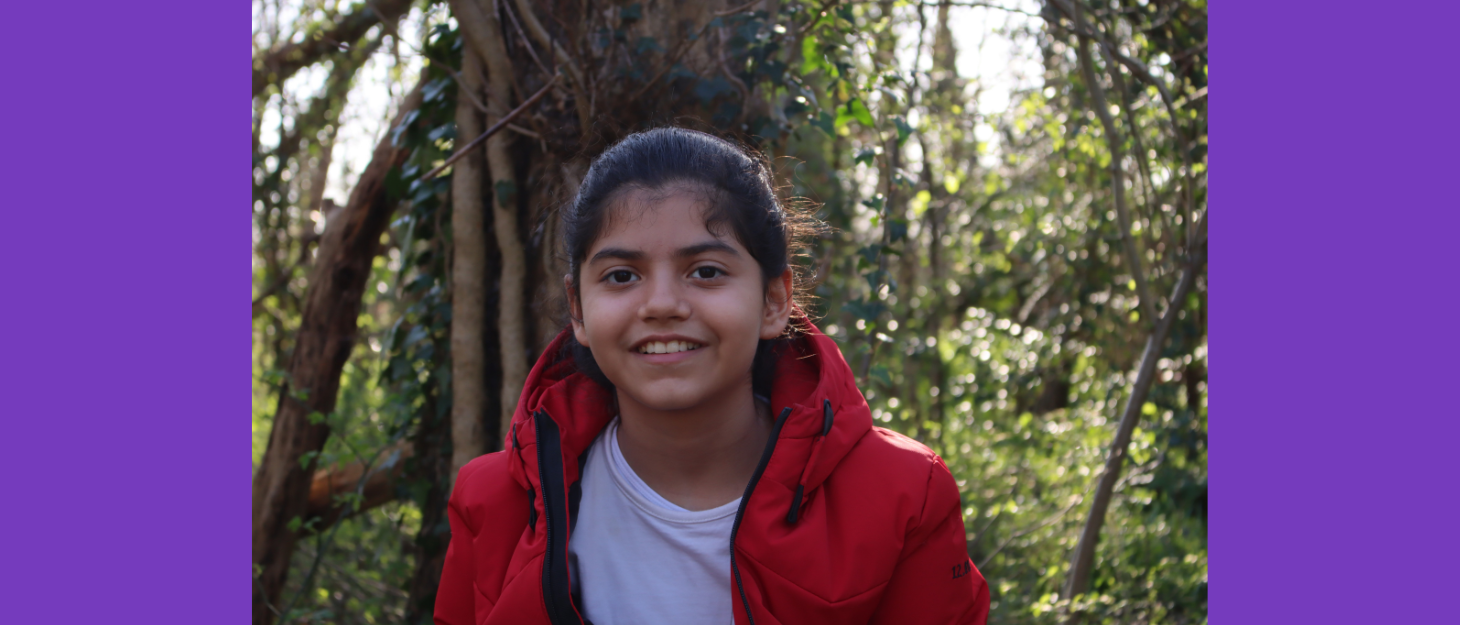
x,y
468,279
483,33
1083,561
326,337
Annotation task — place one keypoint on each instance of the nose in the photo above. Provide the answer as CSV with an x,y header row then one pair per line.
x,y
664,300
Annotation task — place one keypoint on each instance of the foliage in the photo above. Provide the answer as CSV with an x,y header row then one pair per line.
x,y
975,278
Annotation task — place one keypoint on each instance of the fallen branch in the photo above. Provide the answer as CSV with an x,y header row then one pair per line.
x,y
378,490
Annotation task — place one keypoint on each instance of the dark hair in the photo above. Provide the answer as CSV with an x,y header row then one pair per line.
x,y
736,188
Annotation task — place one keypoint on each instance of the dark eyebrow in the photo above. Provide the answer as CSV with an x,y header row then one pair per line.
x,y
683,252
710,246
616,252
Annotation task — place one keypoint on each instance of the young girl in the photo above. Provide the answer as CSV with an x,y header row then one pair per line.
x,y
692,449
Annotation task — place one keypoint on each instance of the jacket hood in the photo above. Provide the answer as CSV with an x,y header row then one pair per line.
x,y
814,397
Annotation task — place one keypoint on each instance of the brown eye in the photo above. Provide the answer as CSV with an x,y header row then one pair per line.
x,y
620,277
707,273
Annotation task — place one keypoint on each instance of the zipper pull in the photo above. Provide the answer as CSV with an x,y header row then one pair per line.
x,y
827,418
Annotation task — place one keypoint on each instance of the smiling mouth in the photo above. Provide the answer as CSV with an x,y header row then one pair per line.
x,y
671,347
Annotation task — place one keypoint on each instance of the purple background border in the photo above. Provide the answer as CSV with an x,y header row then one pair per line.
x,y
127,342
1333,497
1332,494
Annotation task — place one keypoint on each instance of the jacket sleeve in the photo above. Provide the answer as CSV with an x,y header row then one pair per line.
x,y
935,581
456,596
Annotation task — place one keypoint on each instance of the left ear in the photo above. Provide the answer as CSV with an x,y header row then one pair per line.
x,y
777,306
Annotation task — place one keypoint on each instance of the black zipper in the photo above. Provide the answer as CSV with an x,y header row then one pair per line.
x,y
765,459
556,592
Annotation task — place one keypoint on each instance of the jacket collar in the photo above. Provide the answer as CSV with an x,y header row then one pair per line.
x,y
811,377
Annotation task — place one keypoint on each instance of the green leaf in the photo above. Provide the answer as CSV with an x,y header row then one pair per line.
x,y
866,311
506,192
865,156
648,44
632,13
869,252
826,122
897,229
446,130
416,334
434,89
858,109
811,58
882,374
874,281
920,202
306,458
903,130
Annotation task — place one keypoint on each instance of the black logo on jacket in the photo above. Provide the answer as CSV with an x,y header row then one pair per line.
x,y
959,570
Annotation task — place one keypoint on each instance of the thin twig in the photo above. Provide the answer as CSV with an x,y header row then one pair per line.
x,y
526,43
455,76
580,93
1025,532
523,131
1080,28
725,65
733,10
501,123
324,540
1132,259
831,4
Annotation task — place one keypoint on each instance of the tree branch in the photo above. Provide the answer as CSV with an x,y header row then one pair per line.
x,y
326,336
1117,176
378,488
580,88
1082,29
502,123
1027,531
281,62
1083,560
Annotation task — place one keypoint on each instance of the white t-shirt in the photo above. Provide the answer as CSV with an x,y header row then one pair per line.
x,y
639,559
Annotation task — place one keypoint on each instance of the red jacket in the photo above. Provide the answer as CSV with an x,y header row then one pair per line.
x,y
842,522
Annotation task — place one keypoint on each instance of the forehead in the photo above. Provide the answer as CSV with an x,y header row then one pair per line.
x,y
659,220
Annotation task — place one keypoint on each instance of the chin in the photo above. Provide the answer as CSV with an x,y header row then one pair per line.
x,y
668,400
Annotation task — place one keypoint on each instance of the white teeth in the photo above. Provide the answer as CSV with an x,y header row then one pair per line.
x,y
660,347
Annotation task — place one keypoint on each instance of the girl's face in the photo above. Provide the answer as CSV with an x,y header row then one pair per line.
x,y
672,312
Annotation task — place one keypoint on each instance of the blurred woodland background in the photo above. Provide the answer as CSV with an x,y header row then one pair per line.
x,y
1016,269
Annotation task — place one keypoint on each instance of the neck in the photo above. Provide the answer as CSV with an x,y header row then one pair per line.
x,y
700,457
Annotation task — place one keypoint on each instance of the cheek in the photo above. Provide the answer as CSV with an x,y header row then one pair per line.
x,y
736,319
601,319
